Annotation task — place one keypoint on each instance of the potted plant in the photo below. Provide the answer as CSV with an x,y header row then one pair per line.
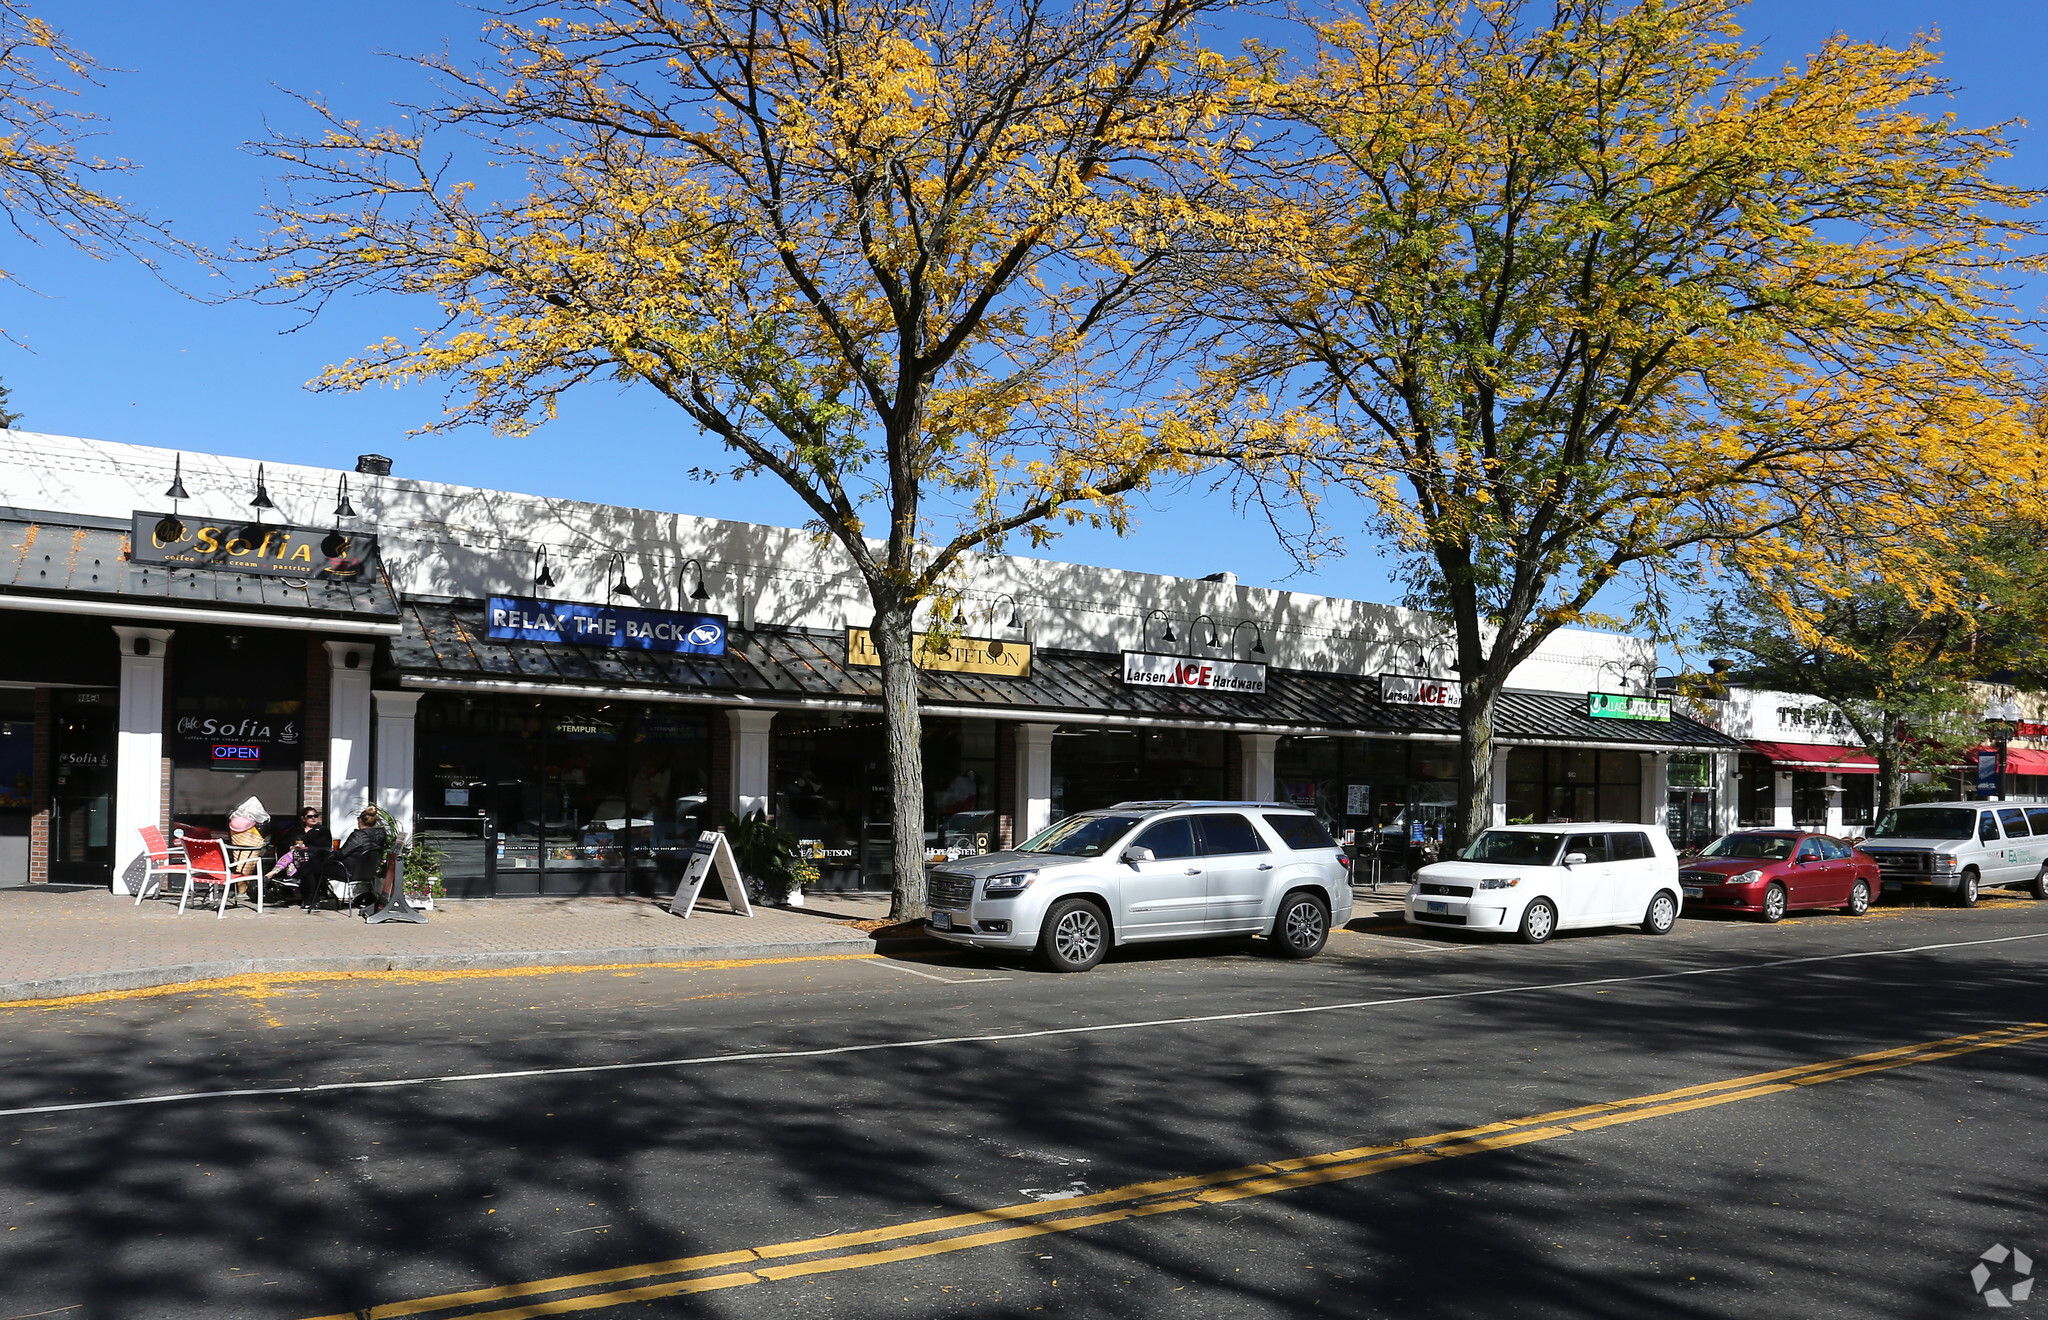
x,y
771,859
421,869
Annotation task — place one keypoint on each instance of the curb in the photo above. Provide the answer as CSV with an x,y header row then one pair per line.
x,y
147,978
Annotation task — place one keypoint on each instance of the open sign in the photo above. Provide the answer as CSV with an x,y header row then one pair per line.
x,y
236,756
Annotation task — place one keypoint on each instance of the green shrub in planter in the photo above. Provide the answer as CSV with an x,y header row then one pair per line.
x,y
771,858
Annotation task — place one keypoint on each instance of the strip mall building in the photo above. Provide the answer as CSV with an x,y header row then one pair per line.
x,y
562,694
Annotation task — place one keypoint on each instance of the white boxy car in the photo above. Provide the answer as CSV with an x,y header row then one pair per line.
x,y
1535,880
1149,871
1962,846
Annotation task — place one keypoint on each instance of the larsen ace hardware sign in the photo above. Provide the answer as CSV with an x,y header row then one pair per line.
x,y
1421,690
957,655
176,541
1142,669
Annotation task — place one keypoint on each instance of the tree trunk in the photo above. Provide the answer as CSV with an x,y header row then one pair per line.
x,y
895,641
1475,765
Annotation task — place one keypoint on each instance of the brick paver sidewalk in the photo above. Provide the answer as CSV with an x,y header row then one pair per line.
x,y
58,942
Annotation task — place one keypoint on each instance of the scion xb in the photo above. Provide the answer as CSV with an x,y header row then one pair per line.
x,y
1535,880
1142,871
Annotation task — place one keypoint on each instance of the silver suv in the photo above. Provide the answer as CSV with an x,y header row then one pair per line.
x,y
1149,871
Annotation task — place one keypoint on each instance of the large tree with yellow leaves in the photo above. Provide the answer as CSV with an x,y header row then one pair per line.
x,y
1576,295
883,251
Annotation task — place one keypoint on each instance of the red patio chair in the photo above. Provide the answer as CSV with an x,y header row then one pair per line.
x,y
206,863
163,860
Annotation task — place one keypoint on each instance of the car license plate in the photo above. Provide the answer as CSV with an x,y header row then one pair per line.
x,y
942,921
1690,891
1439,907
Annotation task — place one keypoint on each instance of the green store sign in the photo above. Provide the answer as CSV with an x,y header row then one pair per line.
x,y
1618,706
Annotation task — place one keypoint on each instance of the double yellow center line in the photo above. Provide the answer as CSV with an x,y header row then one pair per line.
x,y
981,1228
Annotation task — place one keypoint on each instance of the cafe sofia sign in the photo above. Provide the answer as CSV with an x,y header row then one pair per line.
x,y
1142,669
957,655
176,541
519,619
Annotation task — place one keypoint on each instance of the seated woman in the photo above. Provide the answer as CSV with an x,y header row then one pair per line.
x,y
302,845
359,858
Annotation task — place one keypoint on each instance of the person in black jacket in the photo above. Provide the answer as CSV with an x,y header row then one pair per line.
x,y
359,857
302,847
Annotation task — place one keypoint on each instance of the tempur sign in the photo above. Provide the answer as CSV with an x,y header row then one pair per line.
x,y
1142,669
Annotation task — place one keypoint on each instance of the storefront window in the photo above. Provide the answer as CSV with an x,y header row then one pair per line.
x,y
1810,800
560,797
1094,768
1756,801
237,705
1560,784
1859,799
831,790
82,805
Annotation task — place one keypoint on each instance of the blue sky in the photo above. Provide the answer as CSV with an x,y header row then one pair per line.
x,y
113,354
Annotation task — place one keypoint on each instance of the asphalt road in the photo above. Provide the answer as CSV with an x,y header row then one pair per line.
x,y
1191,1131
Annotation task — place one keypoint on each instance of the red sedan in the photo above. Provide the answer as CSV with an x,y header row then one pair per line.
x,y
1772,872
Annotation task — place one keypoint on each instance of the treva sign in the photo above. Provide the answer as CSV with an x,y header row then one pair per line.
x,y
1621,706
1420,690
958,655
519,619
176,541
1143,669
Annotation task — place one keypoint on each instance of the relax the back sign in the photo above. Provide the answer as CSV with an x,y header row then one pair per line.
x,y
517,619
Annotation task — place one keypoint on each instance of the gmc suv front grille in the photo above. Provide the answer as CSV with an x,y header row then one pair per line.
x,y
948,890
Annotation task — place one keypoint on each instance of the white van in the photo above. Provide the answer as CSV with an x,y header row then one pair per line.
x,y
1531,881
1962,846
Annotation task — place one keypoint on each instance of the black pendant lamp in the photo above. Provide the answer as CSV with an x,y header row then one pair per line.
x,y
262,500
342,508
177,487
699,592
543,576
620,587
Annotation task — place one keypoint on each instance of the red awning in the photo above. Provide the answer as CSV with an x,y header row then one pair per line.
x,y
1818,756
2018,760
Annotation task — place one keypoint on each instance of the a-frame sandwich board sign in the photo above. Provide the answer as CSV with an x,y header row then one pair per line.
x,y
712,853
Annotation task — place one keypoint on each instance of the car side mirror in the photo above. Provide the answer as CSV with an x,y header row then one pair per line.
x,y
1575,859
1134,855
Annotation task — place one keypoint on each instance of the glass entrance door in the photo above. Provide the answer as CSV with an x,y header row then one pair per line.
x,y
82,803
1690,817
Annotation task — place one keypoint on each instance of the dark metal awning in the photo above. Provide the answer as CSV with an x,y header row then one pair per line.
x,y
446,645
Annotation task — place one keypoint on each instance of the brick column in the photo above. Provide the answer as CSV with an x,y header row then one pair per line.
x,y
313,729
41,781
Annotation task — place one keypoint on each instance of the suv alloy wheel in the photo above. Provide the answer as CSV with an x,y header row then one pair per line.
x,y
1301,927
1075,936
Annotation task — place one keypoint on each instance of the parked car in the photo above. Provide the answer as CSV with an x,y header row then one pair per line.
x,y
1772,872
1143,871
1960,847
1535,880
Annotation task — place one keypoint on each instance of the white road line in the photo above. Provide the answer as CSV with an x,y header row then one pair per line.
x,y
929,976
766,1056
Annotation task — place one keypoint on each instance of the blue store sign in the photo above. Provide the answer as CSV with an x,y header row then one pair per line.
x,y
517,619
